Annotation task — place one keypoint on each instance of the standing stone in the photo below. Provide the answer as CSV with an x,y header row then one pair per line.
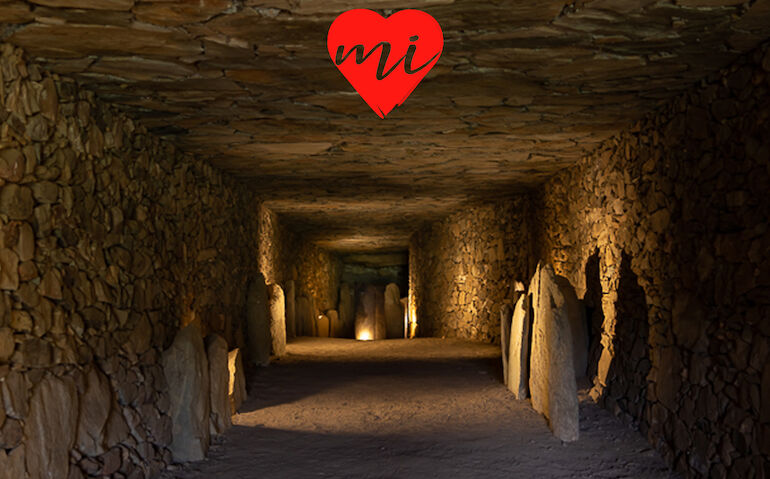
x,y
347,309
370,314
578,323
50,427
518,351
405,309
305,317
237,383
552,369
323,326
289,298
505,333
187,373
258,322
335,325
219,378
95,404
394,314
277,319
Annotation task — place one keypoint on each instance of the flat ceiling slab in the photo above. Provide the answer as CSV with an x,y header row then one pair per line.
x,y
522,90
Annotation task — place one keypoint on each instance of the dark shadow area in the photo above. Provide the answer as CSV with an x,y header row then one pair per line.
x,y
594,313
625,394
286,382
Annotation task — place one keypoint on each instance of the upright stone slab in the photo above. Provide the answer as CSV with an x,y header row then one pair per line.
x,y
578,323
237,380
347,309
394,314
219,379
290,300
277,319
95,404
370,314
552,370
258,322
187,373
505,333
50,427
322,326
305,317
335,325
518,350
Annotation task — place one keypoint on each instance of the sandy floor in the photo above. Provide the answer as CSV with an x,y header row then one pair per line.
x,y
408,408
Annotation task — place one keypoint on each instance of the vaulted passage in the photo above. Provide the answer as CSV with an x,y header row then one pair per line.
x,y
550,261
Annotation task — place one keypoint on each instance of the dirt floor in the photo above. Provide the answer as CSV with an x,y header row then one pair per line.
x,y
408,408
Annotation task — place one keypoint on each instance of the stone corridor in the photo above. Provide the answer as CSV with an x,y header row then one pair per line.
x,y
554,254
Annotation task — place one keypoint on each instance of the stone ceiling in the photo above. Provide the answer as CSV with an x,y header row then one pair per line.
x,y
523,89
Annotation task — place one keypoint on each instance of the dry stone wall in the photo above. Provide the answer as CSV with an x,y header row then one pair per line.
x,y
109,241
284,256
463,269
664,231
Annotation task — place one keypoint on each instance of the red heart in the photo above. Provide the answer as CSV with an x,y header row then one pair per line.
x,y
384,58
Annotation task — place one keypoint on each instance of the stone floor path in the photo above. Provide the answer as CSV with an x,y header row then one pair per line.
x,y
424,408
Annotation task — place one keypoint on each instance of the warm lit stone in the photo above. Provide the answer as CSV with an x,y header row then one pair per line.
x,y
335,325
578,325
519,349
346,308
370,314
187,373
16,201
552,384
305,317
9,269
394,315
258,322
237,381
506,312
291,314
323,326
219,379
277,319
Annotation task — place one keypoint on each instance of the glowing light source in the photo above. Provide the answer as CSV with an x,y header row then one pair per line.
x,y
364,335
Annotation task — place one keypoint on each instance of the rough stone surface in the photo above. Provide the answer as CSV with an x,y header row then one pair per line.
x,y
187,374
552,382
370,313
125,238
463,269
219,384
285,255
662,232
519,349
237,382
506,313
277,319
322,326
335,325
258,322
95,403
291,315
394,314
520,91
578,325
305,317
50,427
347,308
